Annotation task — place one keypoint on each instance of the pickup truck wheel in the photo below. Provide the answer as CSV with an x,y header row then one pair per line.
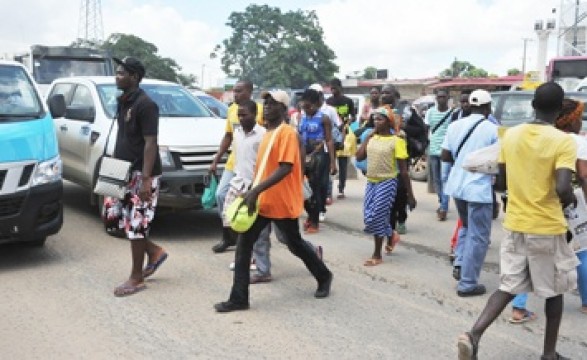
x,y
418,169
38,242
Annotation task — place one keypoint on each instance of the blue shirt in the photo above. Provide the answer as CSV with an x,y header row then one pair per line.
x,y
432,119
463,184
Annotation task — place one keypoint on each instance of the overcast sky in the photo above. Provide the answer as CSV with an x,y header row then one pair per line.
x,y
411,38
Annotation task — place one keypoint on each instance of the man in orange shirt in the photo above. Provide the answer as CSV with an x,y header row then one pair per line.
x,y
280,199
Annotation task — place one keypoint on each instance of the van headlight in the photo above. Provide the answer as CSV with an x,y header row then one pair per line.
x,y
166,158
47,172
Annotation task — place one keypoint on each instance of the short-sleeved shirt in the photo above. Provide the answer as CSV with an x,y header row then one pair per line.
x,y
383,153
532,153
246,146
137,116
432,118
344,105
284,200
232,122
463,184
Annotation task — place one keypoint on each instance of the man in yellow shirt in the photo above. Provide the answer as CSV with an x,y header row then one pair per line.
x,y
535,256
242,92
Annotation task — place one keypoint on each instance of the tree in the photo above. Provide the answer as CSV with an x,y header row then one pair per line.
x,y
463,69
272,48
158,67
370,73
514,71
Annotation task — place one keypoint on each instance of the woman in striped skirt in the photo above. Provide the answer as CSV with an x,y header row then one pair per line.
x,y
387,157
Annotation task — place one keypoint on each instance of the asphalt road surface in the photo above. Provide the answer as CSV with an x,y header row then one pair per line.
x,y
56,302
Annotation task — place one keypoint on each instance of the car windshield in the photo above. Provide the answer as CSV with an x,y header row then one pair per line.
x,y
212,103
18,98
173,100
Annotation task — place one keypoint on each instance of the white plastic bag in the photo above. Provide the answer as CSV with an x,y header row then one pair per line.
x,y
577,221
483,160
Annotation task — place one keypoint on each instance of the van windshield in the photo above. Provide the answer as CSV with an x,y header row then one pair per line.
x,y
18,97
173,100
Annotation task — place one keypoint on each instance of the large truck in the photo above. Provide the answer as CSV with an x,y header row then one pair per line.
x,y
30,165
47,63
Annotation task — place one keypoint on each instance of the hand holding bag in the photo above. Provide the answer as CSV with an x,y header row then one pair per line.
x,y
209,195
238,211
114,174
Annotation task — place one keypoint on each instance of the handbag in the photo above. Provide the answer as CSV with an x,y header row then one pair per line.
x,y
238,212
307,189
114,174
209,196
577,221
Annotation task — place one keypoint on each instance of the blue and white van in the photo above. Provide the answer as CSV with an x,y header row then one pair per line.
x,y
30,167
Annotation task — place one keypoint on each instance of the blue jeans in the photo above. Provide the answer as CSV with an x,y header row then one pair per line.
x,y
435,173
222,190
520,301
582,276
473,241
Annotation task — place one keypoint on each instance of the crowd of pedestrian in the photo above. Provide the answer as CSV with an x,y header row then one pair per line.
x,y
273,159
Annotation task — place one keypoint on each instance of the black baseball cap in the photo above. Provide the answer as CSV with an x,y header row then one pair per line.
x,y
132,65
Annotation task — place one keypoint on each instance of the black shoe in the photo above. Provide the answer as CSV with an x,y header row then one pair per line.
x,y
228,306
477,290
456,273
324,288
227,241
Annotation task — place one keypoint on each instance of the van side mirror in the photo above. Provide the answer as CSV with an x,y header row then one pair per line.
x,y
57,105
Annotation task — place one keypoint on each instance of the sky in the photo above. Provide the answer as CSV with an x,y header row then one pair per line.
x,y
410,38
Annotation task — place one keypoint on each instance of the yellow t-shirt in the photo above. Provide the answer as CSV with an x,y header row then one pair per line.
x,y
231,121
350,145
532,153
382,155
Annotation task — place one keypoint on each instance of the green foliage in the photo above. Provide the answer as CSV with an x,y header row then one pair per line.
x,y
514,71
370,73
158,67
463,69
272,48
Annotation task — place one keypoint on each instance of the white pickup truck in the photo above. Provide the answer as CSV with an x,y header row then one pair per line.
x,y
189,135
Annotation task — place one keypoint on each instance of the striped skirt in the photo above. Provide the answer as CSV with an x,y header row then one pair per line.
x,y
377,205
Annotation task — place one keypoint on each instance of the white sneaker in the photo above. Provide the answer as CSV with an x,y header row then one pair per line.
x,y
322,217
252,267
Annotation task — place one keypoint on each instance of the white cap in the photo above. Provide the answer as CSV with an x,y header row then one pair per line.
x,y
277,95
479,97
316,87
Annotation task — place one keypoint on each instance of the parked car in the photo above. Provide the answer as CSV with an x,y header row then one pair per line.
x,y
30,167
219,108
512,108
189,135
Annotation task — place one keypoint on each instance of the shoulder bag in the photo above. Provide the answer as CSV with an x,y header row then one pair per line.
x,y
114,174
238,211
442,121
467,137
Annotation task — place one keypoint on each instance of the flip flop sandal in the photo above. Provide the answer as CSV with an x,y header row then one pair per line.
x,y
373,262
528,316
127,289
151,268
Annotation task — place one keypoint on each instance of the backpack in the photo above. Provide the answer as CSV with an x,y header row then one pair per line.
x,y
416,134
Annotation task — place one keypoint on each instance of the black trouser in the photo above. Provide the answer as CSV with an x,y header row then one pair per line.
x,y
398,210
342,171
244,249
318,179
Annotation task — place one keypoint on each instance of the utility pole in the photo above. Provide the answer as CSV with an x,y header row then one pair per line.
x,y
524,56
90,27
202,78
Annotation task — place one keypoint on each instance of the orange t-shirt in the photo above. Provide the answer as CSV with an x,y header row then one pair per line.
x,y
284,200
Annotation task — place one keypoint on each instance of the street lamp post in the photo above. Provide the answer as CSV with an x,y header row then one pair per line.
x,y
524,56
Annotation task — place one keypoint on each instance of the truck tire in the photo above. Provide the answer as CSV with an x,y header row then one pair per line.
x,y
418,171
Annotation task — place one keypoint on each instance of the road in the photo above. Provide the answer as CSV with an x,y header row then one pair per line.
x,y
57,301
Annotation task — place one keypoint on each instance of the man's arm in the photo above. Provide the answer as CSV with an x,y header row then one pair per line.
x,y
149,157
224,146
251,196
329,143
564,189
446,156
